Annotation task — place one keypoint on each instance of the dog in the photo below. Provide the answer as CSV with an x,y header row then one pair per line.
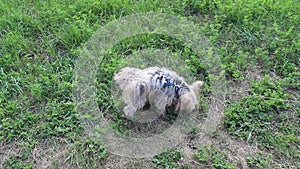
x,y
158,87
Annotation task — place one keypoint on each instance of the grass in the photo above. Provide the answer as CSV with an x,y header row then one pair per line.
x,y
213,158
168,158
270,122
258,42
259,160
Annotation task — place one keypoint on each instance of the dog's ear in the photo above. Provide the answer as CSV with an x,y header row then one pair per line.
x,y
195,87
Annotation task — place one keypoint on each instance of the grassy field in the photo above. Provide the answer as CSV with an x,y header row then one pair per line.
x,y
259,45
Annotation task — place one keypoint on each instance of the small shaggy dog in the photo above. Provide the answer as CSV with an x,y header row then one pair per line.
x,y
158,87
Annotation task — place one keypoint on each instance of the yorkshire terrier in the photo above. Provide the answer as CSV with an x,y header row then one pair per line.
x,y
158,87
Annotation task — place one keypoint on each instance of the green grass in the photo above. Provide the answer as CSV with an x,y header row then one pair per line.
x,y
211,157
168,158
40,41
267,117
259,160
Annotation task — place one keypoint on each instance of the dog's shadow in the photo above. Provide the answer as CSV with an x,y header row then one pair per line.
x,y
128,127
157,126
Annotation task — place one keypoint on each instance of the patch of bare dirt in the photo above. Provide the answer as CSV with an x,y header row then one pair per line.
x,y
237,150
50,154
6,150
118,162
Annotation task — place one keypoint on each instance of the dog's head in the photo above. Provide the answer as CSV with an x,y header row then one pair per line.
x,y
187,102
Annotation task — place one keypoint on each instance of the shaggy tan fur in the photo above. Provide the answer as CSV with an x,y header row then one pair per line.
x,y
137,89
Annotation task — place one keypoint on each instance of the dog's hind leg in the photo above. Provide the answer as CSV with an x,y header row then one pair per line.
x,y
135,96
140,96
